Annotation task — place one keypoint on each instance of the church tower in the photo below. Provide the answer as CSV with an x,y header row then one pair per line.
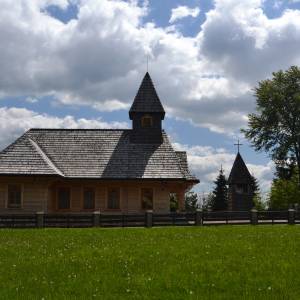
x,y
240,186
146,114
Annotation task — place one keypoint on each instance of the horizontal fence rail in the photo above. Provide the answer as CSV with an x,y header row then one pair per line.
x,y
148,219
226,217
279,217
68,220
183,219
18,220
124,220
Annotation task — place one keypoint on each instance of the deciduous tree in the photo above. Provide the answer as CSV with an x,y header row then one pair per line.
x,y
284,193
275,127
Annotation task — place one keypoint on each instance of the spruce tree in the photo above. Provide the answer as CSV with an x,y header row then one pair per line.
x,y
254,186
220,193
257,199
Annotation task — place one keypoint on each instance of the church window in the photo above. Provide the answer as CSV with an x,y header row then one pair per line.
x,y
173,202
64,198
113,198
147,121
147,198
14,194
89,198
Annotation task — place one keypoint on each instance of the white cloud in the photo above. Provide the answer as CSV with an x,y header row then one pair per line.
x,y
181,12
205,162
246,45
15,121
98,58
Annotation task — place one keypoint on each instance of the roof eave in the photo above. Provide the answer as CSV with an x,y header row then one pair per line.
x,y
196,181
29,175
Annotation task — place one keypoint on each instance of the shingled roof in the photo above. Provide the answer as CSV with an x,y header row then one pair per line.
x,y
146,99
184,167
239,172
92,153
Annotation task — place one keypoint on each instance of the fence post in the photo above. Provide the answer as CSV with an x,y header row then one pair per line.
x,y
291,216
254,216
149,218
199,220
96,218
40,219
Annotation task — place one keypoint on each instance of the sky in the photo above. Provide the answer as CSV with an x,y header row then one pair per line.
x,y
79,63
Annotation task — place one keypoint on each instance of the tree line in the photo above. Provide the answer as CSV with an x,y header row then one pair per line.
x,y
217,200
274,128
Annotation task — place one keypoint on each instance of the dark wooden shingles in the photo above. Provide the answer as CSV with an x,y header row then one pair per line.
x,y
183,162
146,99
239,172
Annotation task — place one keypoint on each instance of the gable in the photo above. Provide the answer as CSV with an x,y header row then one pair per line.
x,y
21,157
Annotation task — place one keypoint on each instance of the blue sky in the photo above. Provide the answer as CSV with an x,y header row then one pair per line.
x,y
79,64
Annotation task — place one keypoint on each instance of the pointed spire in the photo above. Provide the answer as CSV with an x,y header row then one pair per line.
x,y
146,99
239,172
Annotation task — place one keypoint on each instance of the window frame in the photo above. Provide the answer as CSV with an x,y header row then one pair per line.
x,y
57,199
145,117
7,195
83,200
107,198
141,198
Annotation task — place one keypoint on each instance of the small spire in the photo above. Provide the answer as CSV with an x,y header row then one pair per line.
x,y
146,99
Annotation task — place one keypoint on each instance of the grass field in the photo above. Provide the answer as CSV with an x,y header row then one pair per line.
x,y
225,262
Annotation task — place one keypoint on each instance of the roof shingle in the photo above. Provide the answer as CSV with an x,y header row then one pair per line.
x,y
92,153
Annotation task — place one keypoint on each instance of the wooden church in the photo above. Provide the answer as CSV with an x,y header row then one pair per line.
x,y
114,170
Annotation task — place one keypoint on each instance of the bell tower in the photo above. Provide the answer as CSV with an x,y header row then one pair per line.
x,y
240,186
146,114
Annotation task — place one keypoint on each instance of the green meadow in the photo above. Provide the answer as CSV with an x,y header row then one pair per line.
x,y
217,262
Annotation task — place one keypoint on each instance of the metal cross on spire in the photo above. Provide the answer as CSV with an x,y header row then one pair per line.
x,y
147,61
238,145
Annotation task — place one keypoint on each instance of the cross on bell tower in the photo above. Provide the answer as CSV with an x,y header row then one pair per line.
x,y
238,145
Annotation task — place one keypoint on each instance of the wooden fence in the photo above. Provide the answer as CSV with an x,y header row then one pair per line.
x,y
148,219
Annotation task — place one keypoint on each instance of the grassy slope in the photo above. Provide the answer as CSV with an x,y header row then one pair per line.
x,y
226,262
